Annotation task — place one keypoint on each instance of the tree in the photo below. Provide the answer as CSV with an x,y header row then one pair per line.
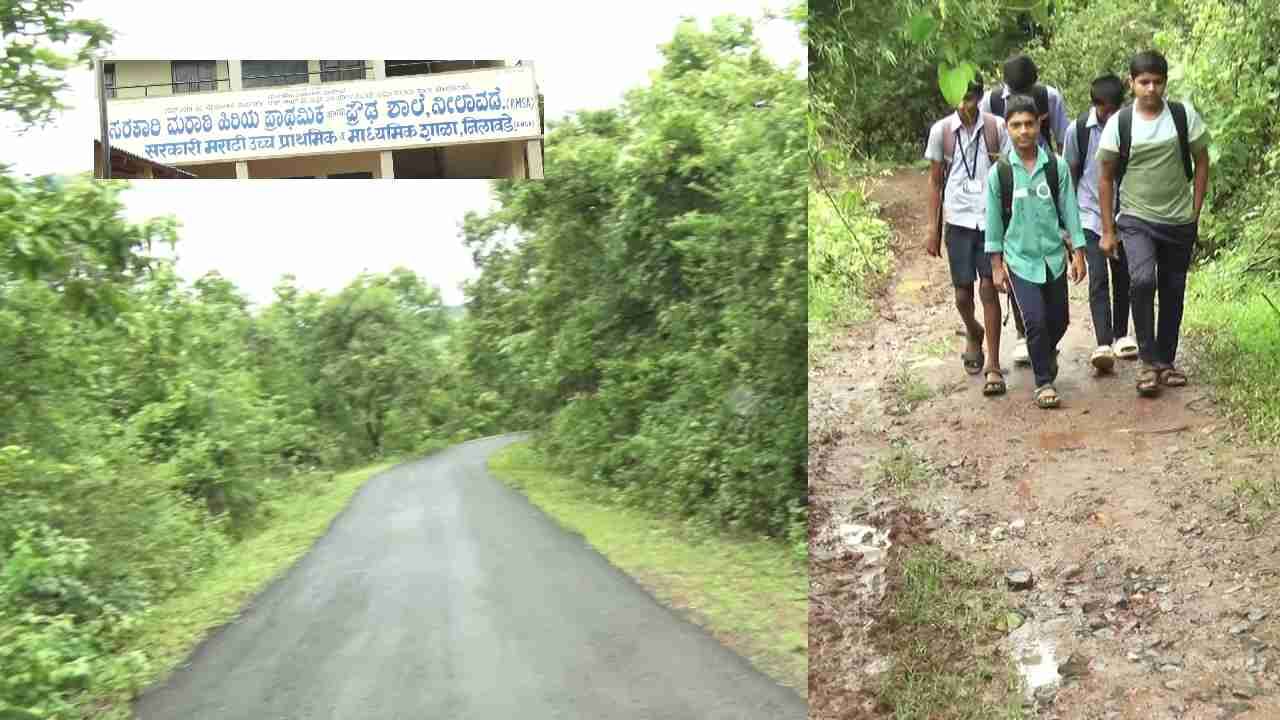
x,y
29,72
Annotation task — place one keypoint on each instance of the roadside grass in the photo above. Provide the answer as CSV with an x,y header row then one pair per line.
x,y
752,594
1235,319
848,252
168,632
902,469
909,389
939,637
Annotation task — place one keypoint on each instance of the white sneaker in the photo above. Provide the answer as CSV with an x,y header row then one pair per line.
x,y
1020,354
1126,348
1103,359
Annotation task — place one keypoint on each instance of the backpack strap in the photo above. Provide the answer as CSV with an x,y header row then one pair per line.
x,y
997,100
1179,113
991,135
1124,124
1004,173
1082,148
1051,176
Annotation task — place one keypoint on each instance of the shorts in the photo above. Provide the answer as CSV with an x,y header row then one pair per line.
x,y
967,255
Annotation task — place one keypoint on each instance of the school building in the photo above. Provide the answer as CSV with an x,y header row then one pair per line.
x,y
242,119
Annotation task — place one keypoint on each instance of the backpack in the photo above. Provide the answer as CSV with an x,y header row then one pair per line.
x,y
990,138
1005,175
1040,94
1125,126
1082,148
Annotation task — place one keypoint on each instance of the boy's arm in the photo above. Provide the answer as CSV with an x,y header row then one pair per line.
x,y
1202,178
1070,210
1058,119
993,243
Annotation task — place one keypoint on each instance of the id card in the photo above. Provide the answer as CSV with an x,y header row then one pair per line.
x,y
1019,192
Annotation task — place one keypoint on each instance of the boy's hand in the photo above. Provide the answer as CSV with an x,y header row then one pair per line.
x,y
1108,245
1077,271
933,242
1000,277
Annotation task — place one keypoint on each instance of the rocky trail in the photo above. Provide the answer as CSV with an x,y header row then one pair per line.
x,y
1148,592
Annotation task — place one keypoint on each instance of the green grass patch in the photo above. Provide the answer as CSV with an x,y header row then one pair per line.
x,y
910,389
903,469
1238,331
170,631
940,638
848,251
750,593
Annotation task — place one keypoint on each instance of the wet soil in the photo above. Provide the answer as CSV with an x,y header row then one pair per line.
x,y
1122,508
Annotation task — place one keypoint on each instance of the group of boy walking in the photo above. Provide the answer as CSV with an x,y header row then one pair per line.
x,y
1120,204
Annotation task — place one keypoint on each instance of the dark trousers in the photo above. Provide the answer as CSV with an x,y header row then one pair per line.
x,y
1159,256
1044,314
1108,299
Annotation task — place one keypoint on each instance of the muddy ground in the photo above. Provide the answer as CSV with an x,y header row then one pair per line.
x,y
1147,575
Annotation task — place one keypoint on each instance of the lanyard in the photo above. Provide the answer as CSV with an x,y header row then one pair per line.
x,y
970,172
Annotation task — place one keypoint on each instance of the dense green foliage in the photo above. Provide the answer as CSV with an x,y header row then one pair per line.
x,y
848,251
874,67
146,422
652,311
643,306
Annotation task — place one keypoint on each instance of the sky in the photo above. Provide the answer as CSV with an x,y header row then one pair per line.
x,y
586,55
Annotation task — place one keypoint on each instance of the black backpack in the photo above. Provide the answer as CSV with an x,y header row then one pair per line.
x,y
1004,172
1125,127
1082,149
1040,94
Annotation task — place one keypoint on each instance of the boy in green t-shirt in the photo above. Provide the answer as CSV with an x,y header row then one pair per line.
x,y
1028,257
1150,146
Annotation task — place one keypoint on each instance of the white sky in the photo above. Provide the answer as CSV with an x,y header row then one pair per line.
x,y
586,56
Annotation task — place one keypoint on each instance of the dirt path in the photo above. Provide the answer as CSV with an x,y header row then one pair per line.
x,y
1147,575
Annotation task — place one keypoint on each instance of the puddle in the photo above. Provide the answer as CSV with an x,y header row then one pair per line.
x,y
1034,654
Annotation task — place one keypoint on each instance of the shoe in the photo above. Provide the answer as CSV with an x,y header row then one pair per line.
x,y
1020,354
1126,348
1103,359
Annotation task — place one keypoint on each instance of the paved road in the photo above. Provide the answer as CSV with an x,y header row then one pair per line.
x,y
441,594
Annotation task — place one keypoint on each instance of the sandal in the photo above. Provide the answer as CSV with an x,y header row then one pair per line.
x,y
1126,348
1171,377
1046,397
994,387
1148,382
973,361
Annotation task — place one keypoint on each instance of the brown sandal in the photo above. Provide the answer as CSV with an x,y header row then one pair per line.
x,y
1148,382
994,387
1171,377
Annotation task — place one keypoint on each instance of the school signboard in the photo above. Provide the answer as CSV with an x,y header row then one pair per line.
x,y
474,106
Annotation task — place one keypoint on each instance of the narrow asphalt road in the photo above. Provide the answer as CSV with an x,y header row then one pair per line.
x,y
441,594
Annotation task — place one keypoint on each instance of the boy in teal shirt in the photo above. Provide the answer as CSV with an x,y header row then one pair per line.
x,y
1028,257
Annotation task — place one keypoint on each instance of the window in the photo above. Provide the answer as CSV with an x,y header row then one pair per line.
x,y
424,67
194,76
263,73
334,70
109,76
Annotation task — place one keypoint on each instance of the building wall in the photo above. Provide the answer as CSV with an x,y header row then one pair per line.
x,y
315,165
150,72
223,171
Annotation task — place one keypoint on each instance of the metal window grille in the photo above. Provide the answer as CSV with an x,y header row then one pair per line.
x,y
336,70
194,76
263,73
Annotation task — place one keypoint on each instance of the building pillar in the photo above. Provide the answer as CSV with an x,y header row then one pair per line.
x,y
242,170
379,69
386,165
234,72
313,72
